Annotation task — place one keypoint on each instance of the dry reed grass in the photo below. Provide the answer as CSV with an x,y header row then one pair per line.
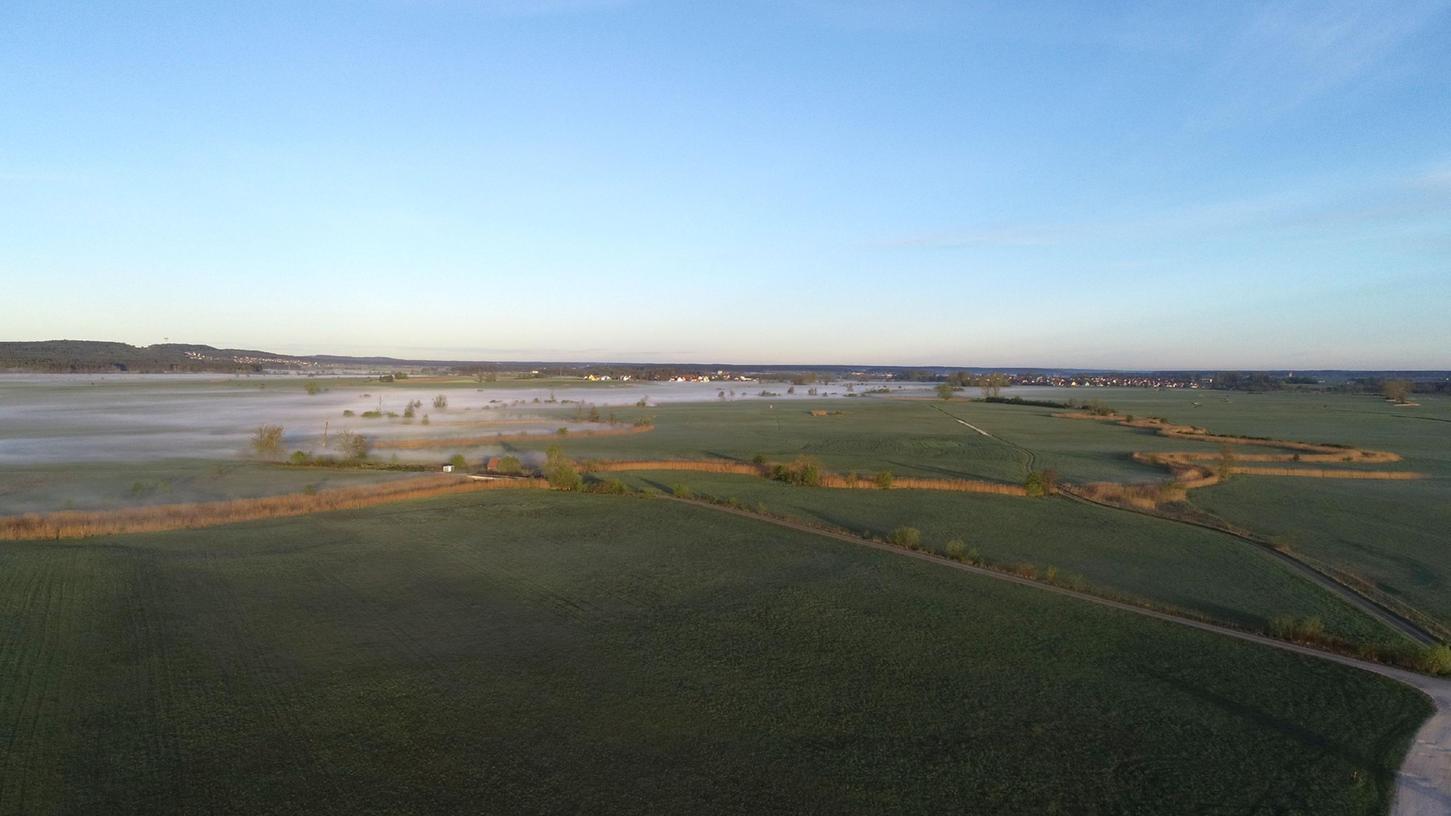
x,y
834,481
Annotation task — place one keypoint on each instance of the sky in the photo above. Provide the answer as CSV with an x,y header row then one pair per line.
x,y
1067,184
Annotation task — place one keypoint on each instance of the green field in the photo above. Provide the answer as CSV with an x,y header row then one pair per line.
x,y
1201,572
1391,533
545,653
909,437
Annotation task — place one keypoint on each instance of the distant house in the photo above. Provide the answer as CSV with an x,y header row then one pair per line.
x,y
448,468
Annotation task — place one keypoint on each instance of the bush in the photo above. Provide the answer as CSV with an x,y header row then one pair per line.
x,y
299,458
1282,626
1040,483
682,491
458,461
348,413
884,480
353,446
1305,630
267,440
1435,659
609,487
804,471
440,402
956,549
563,476
559,471
909,537
509,466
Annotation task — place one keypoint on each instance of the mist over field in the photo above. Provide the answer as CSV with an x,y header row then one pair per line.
x,y
52,419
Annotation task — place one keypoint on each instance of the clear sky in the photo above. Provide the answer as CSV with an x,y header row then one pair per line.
x,y
1107,184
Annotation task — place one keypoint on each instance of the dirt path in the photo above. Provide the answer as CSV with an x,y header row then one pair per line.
x,y
1423,782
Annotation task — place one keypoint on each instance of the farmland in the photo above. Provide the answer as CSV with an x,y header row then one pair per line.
x,y
544,652
553,650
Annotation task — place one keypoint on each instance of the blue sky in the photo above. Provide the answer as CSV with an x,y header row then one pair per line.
x,y
1067,184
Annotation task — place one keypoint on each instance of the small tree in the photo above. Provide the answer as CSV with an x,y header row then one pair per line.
x,y
1034,485
1225,465
909,537
1436,659
682,491
458,461
609,487
440,402
1397,390
267,440
944,391
559,471
353,446
956,549
884,480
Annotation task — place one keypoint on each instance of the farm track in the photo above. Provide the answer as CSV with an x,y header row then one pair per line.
x,y
1423,782
1030,456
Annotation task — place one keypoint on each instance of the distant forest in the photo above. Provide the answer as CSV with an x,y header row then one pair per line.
x,y
96,357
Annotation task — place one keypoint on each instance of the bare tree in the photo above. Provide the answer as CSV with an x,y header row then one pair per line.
x,y
267,440
1397,390
992,384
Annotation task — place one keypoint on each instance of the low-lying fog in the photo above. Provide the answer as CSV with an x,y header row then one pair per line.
x,y
46,419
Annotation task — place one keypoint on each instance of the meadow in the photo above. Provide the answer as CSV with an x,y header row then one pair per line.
x,y
539,652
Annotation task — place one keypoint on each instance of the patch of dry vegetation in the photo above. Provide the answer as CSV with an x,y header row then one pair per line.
x,y
811,475
1190,470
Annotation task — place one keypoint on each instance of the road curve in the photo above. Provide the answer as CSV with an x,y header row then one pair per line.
x,y
1423,782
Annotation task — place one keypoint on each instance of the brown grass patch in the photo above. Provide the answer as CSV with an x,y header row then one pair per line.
x,y
701,466
157,518
1190,470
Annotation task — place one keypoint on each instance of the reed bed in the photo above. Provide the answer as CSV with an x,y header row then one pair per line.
x,y
834,481
739,468
1331,473
161,517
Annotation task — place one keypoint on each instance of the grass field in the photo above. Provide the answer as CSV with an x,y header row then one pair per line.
x,y
545,653
1199,571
